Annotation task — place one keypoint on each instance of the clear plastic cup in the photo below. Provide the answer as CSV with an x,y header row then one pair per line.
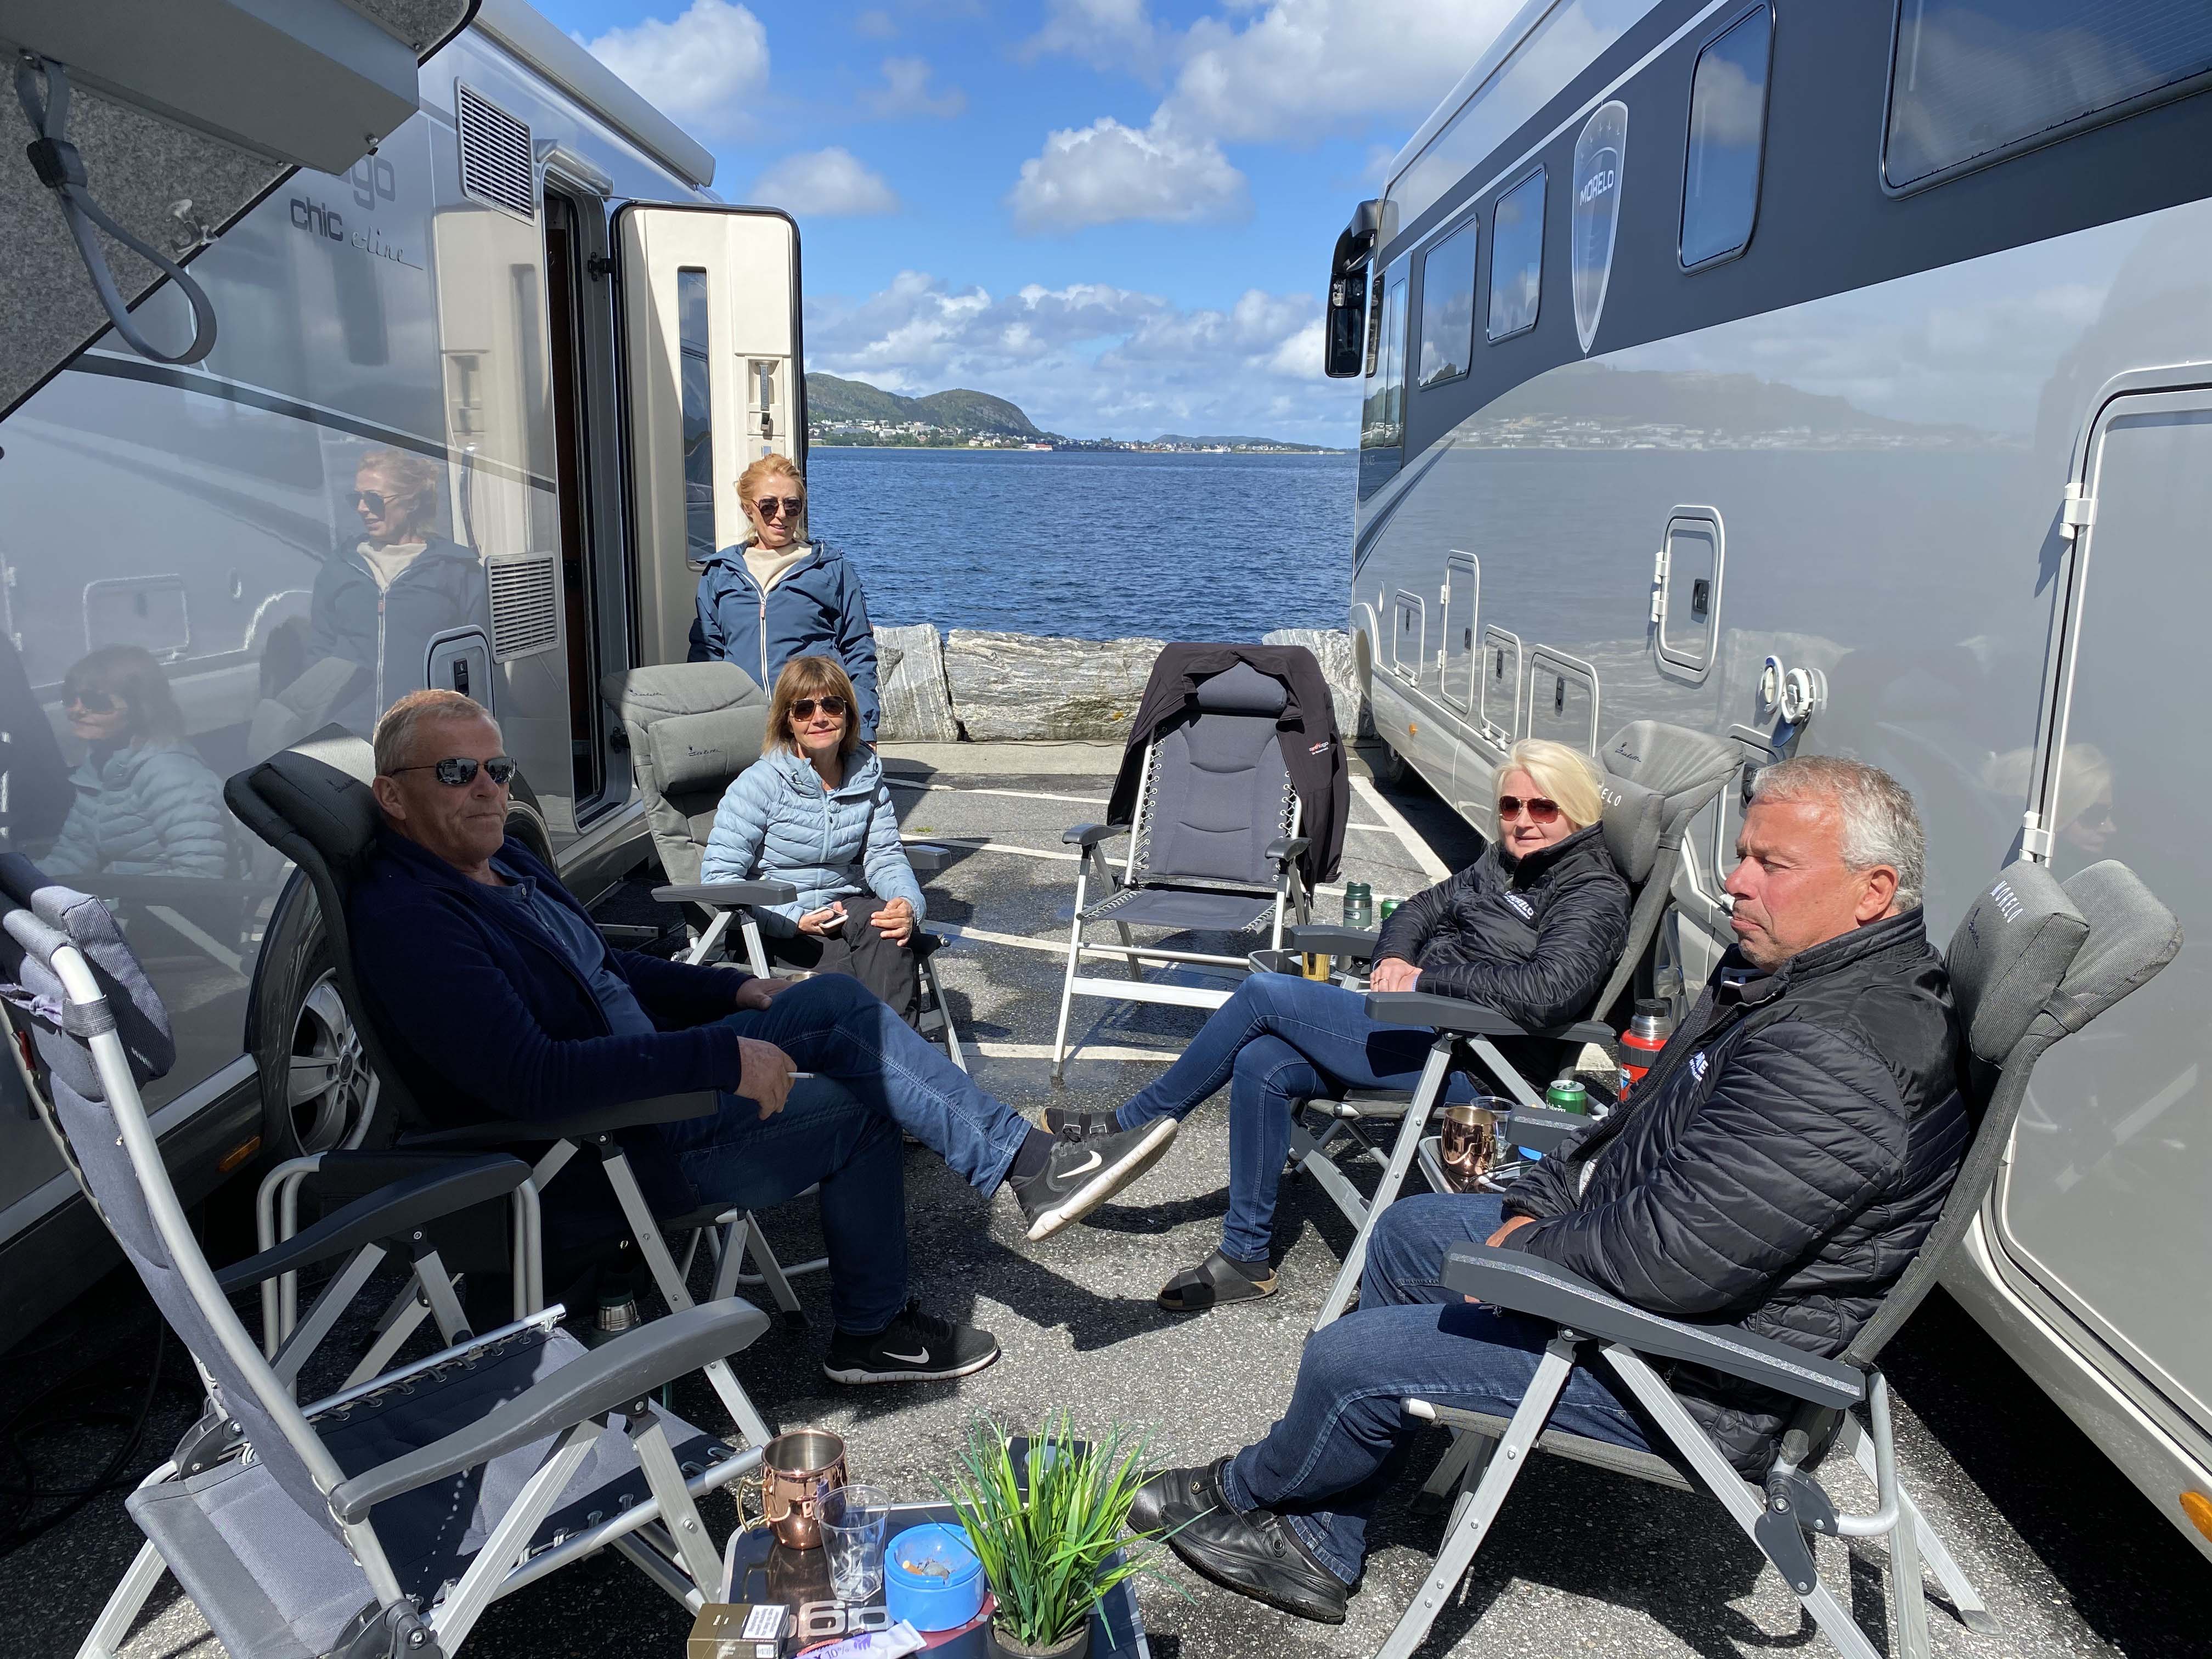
x,y
854,1519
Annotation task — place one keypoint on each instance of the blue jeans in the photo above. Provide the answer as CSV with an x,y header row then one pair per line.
x,y
1280,1040
890,1080
1344,1438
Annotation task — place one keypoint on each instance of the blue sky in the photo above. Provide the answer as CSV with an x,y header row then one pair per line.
x,y
1118,213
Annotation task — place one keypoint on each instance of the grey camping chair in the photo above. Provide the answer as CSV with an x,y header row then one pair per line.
x,y
1658,778
382,1521
1214,849
312,804
2034,962
692,727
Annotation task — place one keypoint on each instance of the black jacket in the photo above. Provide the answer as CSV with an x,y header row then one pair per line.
x,y
1313,752
1779,1166
1533,938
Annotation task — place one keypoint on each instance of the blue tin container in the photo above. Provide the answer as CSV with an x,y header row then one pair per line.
x,y
948,1593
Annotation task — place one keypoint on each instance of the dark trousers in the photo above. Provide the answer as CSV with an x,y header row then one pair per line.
x,y
892,971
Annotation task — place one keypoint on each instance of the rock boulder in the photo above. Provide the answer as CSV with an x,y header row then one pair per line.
x,y
910,681
1333,646
1016,687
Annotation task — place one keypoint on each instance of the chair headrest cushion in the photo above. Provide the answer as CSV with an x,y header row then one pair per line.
x,y
1634,816
320,788
2010,955
1688,768
1242,690
32,985
645,694
2132,937
705,751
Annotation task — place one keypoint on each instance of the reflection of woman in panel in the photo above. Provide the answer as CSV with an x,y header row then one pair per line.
x,y
146,803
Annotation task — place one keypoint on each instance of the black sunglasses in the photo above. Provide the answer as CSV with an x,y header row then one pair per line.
x,y
1539,811
93,703
459,769
772,507
802,708
369,499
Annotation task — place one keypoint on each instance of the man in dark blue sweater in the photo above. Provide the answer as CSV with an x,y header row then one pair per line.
x,y
506,1002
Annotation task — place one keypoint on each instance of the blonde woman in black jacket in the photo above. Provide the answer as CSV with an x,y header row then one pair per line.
x,y
1531,928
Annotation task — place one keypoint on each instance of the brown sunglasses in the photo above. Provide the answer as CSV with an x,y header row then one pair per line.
x,y
779,507
802,708
1540,810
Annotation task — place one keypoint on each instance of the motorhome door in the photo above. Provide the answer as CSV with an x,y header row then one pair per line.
x,y
710,327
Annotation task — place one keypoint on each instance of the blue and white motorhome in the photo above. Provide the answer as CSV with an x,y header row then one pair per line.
x,y
524,321
1840,378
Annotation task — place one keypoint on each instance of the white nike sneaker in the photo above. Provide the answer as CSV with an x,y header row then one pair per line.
x,y
1081,1175
915,1347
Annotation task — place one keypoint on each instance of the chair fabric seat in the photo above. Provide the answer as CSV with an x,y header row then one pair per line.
x,y
1582,1448
1200,909
277,1582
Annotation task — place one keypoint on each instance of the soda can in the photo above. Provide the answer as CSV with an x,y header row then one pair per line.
x,y
1567,1094
1388,907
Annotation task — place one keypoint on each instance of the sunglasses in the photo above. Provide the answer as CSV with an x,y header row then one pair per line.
x,y
772,506
369,499
1539,811
93,703
802,708
457,770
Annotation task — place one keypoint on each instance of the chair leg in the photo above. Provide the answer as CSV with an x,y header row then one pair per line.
x,y
465,1603
104,1639
750,1235
755,952
1426,1097
1972,1611
704,945
937,998
1471,1519
1067,984
1462,1465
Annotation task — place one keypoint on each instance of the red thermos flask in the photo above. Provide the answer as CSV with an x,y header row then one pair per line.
x,y
1647,1033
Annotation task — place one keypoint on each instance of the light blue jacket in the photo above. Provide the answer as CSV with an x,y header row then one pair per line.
x,y
775,824
150,809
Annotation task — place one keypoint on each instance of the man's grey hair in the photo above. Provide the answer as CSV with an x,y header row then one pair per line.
x,y
1881,824
395,731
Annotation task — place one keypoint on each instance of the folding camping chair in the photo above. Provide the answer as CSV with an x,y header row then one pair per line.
x,y
2034,960
312,802
382,1521
1214,849
1658,778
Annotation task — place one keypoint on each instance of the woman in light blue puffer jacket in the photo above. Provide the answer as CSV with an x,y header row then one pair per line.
x,y
145,803
813,811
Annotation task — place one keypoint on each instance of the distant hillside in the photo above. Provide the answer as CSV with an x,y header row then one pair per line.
x,y
831,401
1176,440
1741,403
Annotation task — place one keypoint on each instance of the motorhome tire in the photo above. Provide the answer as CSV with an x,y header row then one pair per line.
x,y
318,1092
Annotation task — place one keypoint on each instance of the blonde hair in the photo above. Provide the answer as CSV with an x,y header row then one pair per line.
x,y
1565,775
418,479
810,677
772,466
396,729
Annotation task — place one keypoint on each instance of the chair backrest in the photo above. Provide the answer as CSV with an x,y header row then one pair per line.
x,y
1216,790
692,727
312,803
2033,960
133,1198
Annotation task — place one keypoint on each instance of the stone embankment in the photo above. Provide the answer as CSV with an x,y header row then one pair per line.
x,y
989,687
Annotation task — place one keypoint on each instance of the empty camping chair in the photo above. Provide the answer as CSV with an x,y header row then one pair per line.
x,y
2034,960
1658,778
693,726
1213,848
385,1519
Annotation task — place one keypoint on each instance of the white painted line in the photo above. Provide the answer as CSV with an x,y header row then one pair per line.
x,y
1051,947
1408,837
978,789
1043,1051
981,845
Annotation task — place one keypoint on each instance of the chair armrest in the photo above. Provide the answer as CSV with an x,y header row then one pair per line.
x,y
1583,1030
400,1208
604,1379
577,1126
1320,939
1541,1129
925,859
1526,1284
1089,835
1284,849
1442,1013
725,893
1275,962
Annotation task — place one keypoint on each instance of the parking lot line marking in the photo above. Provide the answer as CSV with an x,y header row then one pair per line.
x,y
1051,947
983,844
1408,837
1043,1051
979,789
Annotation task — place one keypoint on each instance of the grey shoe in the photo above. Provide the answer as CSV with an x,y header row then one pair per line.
x,y
1081,1175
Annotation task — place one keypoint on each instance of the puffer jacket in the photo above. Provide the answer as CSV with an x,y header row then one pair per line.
x,y
1779,1166
1533,938
777,824
817,610
150,809
387,632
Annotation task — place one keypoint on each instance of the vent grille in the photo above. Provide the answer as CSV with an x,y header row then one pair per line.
x,y
526,604
495,162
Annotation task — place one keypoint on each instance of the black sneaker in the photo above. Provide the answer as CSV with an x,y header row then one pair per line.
x,y
1254,1554
1081,1175
915,1347
1080,1126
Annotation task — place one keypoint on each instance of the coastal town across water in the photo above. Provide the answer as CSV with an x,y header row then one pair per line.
x,y
854,414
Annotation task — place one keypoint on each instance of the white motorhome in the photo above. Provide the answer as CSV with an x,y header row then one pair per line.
x,y
526,311
1840,378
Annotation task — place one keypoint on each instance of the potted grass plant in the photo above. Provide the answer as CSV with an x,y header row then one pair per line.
x,y
1045,1516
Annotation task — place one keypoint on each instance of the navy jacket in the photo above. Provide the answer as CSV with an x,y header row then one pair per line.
x,y
488,1020
818,609
387,632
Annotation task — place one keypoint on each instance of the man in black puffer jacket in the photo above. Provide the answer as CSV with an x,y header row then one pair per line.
x,y
1778,1168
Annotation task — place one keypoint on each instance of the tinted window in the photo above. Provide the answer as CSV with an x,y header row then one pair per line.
x,y
1973,77
1727,131
1448,307
1516,258
698,416
1382,416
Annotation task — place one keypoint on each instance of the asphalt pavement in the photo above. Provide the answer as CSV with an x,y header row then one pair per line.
x,y
2069,1558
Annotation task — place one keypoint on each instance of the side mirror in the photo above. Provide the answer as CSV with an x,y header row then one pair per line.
x,y
1346,353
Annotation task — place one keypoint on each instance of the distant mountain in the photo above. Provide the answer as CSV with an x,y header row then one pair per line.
x,y
831,401
1176,440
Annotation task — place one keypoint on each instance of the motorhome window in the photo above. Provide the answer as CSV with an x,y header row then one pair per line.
x,y
1448,308
1382,416
698,416
1728,135
1516,258
1972,79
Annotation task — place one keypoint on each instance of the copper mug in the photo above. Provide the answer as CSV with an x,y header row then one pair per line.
x,y
1467,1141
798,1470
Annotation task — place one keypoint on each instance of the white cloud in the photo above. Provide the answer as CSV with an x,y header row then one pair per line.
x,y
1104,34
699,69
1092,359
1106,172
875,25
825,184
906,91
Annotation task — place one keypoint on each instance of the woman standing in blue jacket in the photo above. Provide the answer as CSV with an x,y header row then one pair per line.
x,y
813,811
774,595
